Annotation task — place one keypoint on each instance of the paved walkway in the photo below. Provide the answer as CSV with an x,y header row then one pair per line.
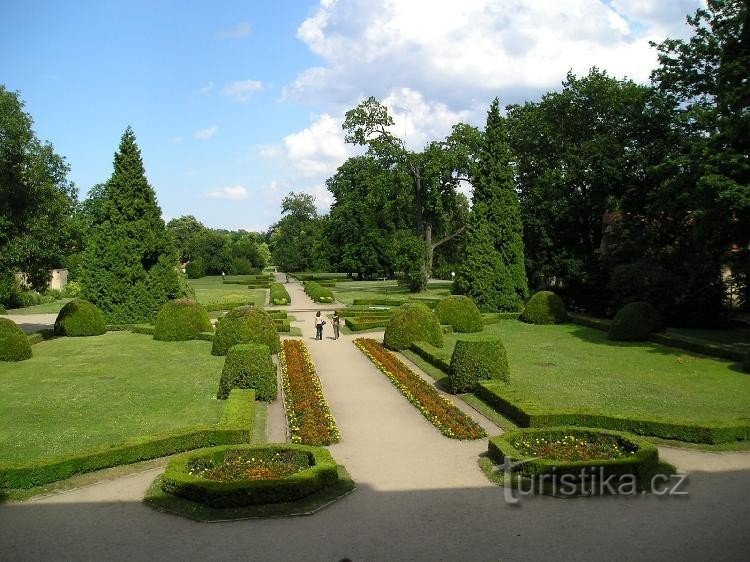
x,y
420,496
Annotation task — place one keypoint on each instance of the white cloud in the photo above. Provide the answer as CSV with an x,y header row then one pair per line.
x,y
238,31
205,134
475,49
242,89
318,149
233,193
206,89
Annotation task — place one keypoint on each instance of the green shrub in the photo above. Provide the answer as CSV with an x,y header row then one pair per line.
x,y
241,266
196,268
181,320
634,322
2,309
80,318
249,366
279,294
544,307
412,322
473,361
71,290
318,293
245,324
461,313
184,288
746,363
14,345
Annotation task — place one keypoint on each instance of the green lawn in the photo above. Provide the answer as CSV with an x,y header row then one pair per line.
x,y
211,290
571,367
47,308
738,337
79,393
348,291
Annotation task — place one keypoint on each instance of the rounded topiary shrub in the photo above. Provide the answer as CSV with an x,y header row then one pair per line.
x,y
181,320
14,345
412,322
80,318
544,307
473,361
460,312
245,324
634,322
249,365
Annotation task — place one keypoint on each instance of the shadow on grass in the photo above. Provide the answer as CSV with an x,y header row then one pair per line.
x,y
599,337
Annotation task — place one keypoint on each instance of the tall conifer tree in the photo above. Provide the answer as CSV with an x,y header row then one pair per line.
x,y
129,267
493,273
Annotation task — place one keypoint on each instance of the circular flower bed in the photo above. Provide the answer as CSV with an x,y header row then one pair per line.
x,y
243,475
573,451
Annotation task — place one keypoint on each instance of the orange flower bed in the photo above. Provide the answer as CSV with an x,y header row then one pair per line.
x,y
309,418
441,412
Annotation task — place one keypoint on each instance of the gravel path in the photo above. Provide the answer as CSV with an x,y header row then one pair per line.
x,y
420,496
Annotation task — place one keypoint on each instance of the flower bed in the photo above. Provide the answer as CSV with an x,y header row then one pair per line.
x,y
240,475
308,416
440,411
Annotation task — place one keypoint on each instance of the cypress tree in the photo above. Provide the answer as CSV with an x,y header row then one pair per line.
x,y
493,273
129,265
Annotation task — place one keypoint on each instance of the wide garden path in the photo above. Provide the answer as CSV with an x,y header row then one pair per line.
x,y
419,496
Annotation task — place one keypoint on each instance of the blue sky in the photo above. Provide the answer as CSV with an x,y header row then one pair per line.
x,y
235,104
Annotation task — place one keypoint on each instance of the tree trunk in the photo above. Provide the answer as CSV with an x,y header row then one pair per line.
x,y
429,248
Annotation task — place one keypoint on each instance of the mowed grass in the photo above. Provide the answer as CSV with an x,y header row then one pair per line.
x,y
573,368
79,393
210,289
348,291
46,308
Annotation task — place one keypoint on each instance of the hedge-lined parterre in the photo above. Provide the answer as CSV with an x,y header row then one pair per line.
x,y
412,322
279,294
544,307
181,320
245,324
80,318
249,366
473,361
460,312
14,345
318,293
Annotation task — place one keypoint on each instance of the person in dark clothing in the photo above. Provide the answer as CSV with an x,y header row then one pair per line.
x,y
336,322
319,322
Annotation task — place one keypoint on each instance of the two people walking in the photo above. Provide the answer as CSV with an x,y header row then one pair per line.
x,y
319,323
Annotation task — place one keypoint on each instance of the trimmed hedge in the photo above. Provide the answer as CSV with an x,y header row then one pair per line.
x,y
635,321
544,307
640,463
473,361
412,322
460,312
181,320
249,365
318,293
245,324
495,317
421,349
279,294
526,415
360,323
236,426
14,344
432,303
227,305
178,479
278,314
80,318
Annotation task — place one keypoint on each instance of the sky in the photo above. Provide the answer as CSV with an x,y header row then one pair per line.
x,y
237,103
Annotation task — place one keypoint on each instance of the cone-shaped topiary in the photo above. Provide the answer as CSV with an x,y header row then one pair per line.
x,y
181,320
129,267
80,318
460,312
14,345
412,322
245,324
493,271
634,322
544,307
249,365
473,361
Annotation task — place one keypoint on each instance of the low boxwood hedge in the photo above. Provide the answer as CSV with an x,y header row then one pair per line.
x,y
249,365
460,312
634,322
228,305
359,323
236,426
318,293
412,322
391,302
80,318
639,460
245,324
422,349
181,320
279,294
544,307
473,361
14,344
498,396
179,478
